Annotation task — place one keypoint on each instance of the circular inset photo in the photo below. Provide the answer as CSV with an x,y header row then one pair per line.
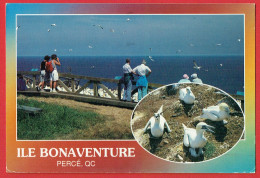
x,y
188,122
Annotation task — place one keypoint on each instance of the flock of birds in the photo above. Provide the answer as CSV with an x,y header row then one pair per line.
x,y
193,139
197,67
95,25
127,20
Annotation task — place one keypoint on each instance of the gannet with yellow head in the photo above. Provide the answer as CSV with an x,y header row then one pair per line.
x,y
216,113
194,138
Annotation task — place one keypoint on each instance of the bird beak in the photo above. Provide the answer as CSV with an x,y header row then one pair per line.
x,y
208,128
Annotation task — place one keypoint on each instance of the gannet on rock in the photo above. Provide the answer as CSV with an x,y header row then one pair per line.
x,y
186,95
215,113
194,138
157,124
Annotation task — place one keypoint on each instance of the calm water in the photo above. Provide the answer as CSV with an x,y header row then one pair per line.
x,y
165,69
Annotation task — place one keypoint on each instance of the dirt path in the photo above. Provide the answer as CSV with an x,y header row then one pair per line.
x,y
118,119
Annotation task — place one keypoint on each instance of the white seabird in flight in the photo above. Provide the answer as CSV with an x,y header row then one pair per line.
x,y
151,58
128,19
90,47
17,27
219,44
178,51
195,65
53,25
99,26
49,30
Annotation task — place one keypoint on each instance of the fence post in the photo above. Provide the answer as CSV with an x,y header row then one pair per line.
x,y
73,85
119,89
95,88
34,81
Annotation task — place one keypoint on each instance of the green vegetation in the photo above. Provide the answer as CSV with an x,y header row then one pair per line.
x,y
210,149
56,122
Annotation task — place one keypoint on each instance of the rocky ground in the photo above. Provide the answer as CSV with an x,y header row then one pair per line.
x,y
170,146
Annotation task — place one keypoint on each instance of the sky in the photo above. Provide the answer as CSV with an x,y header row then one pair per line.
x,y
130,35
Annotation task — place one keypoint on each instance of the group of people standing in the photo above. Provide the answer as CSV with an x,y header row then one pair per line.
x,y
142,71
49,72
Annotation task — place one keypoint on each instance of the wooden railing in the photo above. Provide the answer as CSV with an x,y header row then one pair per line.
x,y
97,84
72,89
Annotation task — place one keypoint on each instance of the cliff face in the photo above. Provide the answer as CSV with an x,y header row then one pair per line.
x,y
170,146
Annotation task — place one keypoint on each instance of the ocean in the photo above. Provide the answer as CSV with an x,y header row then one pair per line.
x,y
224,72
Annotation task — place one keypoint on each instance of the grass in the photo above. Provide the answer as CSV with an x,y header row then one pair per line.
x,y
56,122
210,149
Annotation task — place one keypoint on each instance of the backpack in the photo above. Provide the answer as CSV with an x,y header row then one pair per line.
x,y
49,67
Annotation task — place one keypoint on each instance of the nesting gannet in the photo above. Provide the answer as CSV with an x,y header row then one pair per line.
x,y
186,95
112,30
194,138
157,124
128,19
221,65
215,113
195,65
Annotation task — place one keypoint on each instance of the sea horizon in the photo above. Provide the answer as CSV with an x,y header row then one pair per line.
x,y
223,72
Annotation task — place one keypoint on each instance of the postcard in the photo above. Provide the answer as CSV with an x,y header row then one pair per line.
x,y
130,88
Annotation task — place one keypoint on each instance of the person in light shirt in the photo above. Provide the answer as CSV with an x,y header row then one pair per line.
x,y
196,79
185,79
128,77
142,71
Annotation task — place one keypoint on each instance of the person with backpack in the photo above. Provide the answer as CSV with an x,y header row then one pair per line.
x,y
44,76
52,68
